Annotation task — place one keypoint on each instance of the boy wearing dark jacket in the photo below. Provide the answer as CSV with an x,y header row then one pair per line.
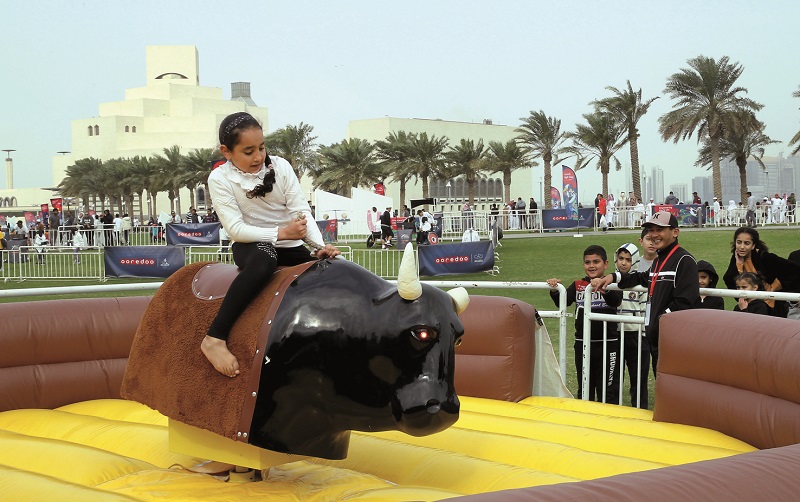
x,y
707,278
603,366
671,280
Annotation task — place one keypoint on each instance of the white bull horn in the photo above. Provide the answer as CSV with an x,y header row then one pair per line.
x,y
408,285
460,299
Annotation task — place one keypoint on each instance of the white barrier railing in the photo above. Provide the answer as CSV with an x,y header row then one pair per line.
x,y
52,263
589,316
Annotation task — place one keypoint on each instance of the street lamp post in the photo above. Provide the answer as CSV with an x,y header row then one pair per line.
x,y
448,185
9,168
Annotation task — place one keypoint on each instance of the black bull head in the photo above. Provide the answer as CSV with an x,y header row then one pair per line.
x,y
347,351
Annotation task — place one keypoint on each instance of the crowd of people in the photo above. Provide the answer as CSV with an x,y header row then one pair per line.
x,y
673,278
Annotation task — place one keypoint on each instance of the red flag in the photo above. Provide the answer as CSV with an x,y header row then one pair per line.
x,y
380,189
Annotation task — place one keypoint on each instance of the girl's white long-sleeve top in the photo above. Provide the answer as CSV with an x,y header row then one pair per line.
x,y
258,219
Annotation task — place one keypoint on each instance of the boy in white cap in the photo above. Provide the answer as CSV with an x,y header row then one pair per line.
x,y
635,346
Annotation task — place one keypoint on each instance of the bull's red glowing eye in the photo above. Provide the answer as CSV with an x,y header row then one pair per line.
x,y
424,333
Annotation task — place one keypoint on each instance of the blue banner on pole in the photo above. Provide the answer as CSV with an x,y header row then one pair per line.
x,y
562,218
193,234
143,261
458,258
403,238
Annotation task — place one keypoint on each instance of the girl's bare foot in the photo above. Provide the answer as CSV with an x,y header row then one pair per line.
x,y
216,350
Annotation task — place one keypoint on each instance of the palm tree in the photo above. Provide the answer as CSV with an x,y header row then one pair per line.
x,y
544,137
345,165
394,154
505,158
796,137
466,159
706,101
170,166
141,171
739,145
296,145
79,179
427,159
119,170
195,167
627,105
600,138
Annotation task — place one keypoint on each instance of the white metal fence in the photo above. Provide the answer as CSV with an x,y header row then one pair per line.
x,y
639,321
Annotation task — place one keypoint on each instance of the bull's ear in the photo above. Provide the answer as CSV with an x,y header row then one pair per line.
x,y
460,299
408,285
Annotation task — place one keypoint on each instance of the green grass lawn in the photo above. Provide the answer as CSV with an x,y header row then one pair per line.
x,y
560,255
537,259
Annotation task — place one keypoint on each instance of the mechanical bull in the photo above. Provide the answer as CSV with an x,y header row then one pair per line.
x,y
334,348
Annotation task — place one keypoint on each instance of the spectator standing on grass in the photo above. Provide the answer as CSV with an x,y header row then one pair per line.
x,y
126,226
108,227
117,229
532,208
523,218
595,263
671,199
750,254
750,216
749,281
707,277
54,221
597,209
636,350
602,207
671,281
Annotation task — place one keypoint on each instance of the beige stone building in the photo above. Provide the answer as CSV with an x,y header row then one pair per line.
x,y
171,109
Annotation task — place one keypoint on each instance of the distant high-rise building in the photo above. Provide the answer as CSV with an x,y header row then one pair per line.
x,y
704,188
657,184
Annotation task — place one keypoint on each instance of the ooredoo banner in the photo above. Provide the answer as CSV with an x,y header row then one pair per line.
x,y
561,218
143,261
193,234
458,258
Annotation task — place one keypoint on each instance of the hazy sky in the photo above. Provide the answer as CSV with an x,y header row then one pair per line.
x,y
326,63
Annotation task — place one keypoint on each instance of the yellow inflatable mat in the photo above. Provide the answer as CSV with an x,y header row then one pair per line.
x,y
118,450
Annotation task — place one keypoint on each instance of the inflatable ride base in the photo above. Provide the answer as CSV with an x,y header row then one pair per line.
x,y
193,441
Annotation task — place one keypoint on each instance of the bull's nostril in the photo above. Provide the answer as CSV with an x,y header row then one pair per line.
x,y
433,406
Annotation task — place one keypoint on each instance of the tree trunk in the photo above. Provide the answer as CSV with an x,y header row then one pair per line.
x,y
178,201
141,206
209,202
715,170
507,184
402,193
191,198
741,162
471,190
634,147
548,201
604,170
425,189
